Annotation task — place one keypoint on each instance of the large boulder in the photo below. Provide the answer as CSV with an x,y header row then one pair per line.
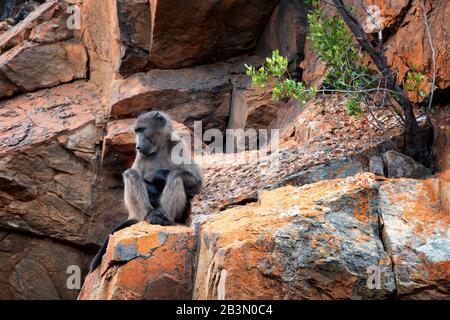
x,y
361,237
47,146
401,166
33,66
51,181
145,262
42,51
135,35
314,242
37,269
187,33
201,93
285,31
416,221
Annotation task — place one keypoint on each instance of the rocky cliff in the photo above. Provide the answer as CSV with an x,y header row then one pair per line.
x,y
341,204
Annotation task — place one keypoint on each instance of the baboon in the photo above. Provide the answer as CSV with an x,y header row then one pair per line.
x,y
158,189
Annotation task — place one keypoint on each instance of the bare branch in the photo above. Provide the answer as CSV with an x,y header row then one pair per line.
x,y
430,40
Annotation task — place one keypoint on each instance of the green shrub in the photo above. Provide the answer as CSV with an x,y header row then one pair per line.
x,y
333,44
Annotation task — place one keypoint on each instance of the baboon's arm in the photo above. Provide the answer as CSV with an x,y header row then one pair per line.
x,y
173,199
135,195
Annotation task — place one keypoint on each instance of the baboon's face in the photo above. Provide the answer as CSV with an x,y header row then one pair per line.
x,y
152,131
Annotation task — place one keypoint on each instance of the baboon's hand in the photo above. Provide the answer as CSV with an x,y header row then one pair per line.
x,y
158,216
131,174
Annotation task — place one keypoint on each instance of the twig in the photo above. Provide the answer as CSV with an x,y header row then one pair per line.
x,y
430,39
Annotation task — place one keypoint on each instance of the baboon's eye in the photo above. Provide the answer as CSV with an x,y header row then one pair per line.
x,y
139,130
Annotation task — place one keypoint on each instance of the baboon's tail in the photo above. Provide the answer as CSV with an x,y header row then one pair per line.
x,y
98,257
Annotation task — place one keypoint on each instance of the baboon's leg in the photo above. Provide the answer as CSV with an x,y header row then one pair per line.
x,y
172,203
135,195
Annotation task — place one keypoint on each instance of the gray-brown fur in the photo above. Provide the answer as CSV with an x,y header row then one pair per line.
x,y
154,148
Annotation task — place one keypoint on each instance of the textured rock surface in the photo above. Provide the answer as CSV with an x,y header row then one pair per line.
x,y
416,224
32,67
285,31
409,46
135,34
361,237
101,36
442,145
41,51
35,22
46,182
324,240
251,107
187,33
400,166
145,262
296,243
322,142
201,93
33,269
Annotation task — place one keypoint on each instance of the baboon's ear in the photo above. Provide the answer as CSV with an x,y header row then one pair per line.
x,y
160,118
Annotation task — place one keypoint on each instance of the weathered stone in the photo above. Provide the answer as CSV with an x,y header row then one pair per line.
x,y
187,33
401,166
416,235
409,46
31,67
135,35
36,269
30,119
313,69
7,88
119,145
285,31
21,31
314,242
251,107
441,124
145,262
201,93
322,142
101,37
46,184
46,191
376,165
108,209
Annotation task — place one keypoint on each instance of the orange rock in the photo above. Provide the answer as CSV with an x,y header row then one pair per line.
x,y
22,31
31,67
441,123
416,222
186,94
145,262
312,242
409,46
199,32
